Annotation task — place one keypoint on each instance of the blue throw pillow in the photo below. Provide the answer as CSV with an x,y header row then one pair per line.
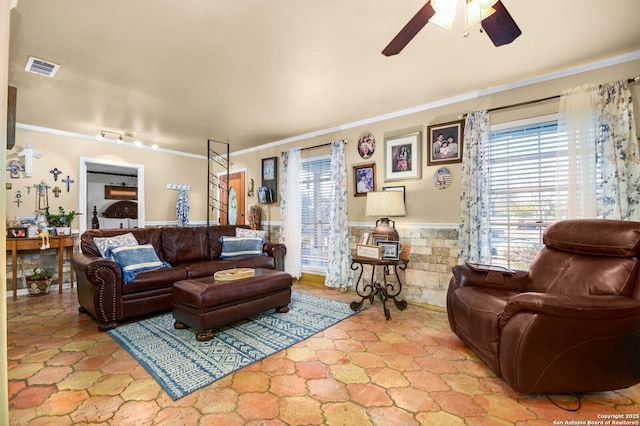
x,y
241,246
133,259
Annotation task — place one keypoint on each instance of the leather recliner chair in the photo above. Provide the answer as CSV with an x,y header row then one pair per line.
x,y
571,323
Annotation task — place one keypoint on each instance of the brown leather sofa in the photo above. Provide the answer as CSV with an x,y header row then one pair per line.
x,y
571,323
191,252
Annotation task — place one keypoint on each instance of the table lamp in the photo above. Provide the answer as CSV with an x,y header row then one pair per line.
x,y
385,204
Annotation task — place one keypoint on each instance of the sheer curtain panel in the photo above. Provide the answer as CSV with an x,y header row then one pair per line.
x,y
578,122
291,212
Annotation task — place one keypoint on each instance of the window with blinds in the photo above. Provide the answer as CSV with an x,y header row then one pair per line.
x,y
527,172
315,187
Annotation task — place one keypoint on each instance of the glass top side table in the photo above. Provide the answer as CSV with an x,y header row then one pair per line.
x,y
382,290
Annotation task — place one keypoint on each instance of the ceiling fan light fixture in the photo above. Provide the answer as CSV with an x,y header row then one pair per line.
x,y
445,13
486,4
445,7
476,12
444,21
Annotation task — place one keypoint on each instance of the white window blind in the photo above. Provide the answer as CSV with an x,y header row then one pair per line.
x,y
315,187
527,184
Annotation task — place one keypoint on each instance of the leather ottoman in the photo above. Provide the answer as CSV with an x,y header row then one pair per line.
x,y
206,303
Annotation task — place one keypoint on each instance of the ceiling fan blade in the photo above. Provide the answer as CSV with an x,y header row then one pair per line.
x,y
500,26
409,31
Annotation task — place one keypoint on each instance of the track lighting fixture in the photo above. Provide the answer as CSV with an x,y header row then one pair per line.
x,y
119,137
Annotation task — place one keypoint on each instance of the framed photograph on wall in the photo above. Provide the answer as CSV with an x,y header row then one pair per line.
x,y
364,179
119,192
366,145
444,143
270,178
402,158
442,178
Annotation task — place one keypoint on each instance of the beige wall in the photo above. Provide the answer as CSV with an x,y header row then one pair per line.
x,y
426,203
64,152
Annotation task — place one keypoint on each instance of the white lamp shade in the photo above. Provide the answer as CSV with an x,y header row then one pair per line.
x,y
385,204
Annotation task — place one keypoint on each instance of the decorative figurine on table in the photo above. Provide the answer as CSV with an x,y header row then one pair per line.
x,y
43,231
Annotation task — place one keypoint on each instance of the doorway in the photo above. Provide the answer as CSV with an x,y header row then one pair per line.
x,y
232,202
88,165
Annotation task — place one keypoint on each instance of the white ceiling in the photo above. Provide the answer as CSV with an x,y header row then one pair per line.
x,y
251,72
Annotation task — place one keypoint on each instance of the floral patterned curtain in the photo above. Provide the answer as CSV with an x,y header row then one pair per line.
x,y
339,274
617,146
182,208
291,212
474,240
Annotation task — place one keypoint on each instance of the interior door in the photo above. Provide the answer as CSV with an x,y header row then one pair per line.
x,y
232,202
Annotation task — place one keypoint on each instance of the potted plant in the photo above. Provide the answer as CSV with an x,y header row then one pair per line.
x,y
39,282
61,221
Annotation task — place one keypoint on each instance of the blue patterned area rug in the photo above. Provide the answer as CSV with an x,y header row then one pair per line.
x,y
181,364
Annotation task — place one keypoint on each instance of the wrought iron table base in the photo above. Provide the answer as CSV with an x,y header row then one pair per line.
x,y
374,289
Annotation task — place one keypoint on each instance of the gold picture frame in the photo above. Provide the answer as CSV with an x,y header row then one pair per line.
x,y
368,251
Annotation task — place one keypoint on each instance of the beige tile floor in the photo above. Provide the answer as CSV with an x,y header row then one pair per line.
x,y
410,370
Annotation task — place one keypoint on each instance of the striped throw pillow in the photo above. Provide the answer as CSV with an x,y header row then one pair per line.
x,y
241,246
134,259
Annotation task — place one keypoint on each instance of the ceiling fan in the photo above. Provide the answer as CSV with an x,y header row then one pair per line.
x,y
496,21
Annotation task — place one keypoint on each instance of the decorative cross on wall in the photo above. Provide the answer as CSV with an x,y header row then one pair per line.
x,y
18,198
68,181
57,191
55,172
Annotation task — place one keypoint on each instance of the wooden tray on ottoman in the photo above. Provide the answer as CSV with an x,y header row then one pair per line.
x,y
234,274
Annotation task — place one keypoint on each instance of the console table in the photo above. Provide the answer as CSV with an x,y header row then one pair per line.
x,y
23,244
373,289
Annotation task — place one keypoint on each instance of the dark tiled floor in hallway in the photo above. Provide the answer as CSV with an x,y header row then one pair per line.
x,y
363,371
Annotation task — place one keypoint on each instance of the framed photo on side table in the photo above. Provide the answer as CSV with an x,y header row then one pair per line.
x,y
369,252
402,158
376,238
390,250
444,143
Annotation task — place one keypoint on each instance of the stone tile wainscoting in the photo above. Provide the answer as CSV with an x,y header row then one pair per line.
x,y
434,251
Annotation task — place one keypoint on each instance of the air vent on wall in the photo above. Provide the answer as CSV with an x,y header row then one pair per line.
x,y
42,67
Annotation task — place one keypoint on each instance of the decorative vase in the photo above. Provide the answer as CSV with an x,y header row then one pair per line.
x,y
39,286
63,230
